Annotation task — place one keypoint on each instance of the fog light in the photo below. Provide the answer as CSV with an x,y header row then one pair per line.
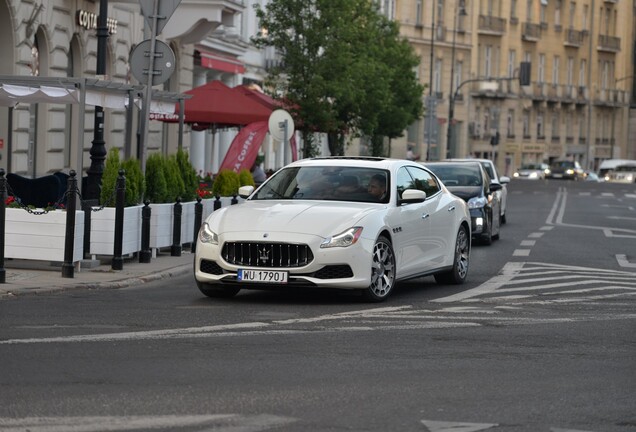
x,y
479,222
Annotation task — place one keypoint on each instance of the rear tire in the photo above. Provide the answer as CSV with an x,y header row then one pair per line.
x,y
461,260
217,291
382,271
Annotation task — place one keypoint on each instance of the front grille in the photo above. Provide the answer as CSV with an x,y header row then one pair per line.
x,y
334,272
276,255
211,267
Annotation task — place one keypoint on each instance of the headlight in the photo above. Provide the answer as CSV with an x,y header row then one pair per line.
x,y
206,235
344,239
570,172
516,174
533,174
477,202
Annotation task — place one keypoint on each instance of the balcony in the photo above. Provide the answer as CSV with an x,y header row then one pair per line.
x,y
573,38
609,43
530,32
491,25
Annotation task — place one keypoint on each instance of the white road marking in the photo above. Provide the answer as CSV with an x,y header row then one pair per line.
x,y
567,430
521,252
443,426
508,273
547,228
621,218
209,423
536,235
622,261
528,243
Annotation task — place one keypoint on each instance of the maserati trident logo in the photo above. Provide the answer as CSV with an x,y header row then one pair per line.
x,y
263,254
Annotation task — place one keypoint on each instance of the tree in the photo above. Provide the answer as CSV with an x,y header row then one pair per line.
x,y
340,63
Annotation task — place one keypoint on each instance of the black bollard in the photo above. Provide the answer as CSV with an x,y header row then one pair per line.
x,y
145,254
175,250
217,202
234,200
120,199
88,212
198,216
3,221
68,270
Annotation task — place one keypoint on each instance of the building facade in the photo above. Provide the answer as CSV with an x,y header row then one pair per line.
x,y
56,39
577,106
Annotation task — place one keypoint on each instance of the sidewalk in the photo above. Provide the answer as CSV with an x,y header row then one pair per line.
x,y
25,277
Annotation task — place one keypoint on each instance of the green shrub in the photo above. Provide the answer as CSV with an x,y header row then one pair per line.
x,y
226,183
109,177
245,178
174,181
189,176
134,182
156,186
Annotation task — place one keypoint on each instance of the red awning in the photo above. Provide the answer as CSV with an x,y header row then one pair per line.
x,y
221,63
215,104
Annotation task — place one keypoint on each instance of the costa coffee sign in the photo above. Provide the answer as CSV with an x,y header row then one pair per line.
x,y
88,20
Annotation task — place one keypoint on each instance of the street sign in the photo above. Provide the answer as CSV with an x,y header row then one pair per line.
x,y
165,9
164,62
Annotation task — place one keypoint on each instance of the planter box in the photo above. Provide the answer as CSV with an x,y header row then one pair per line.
x,y
103,231
41,237
161,217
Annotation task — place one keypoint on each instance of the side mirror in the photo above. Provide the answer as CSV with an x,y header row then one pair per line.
x,y
412,196
494,187
504,179
245,191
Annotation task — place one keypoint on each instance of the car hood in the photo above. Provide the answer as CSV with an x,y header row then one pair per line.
x,y
321,218
465,192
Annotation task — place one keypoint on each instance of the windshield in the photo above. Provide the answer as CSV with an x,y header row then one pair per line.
x,y
457,175
333,183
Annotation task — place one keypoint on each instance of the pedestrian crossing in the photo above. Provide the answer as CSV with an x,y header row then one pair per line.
x,y
546,282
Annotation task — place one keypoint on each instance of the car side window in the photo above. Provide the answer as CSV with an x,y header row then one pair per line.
x,y
424,181
404,181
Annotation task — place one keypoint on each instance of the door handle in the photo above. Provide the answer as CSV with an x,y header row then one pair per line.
x,y
451,208
426,216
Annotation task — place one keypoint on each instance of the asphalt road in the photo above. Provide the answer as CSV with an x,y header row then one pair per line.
x,y
541,338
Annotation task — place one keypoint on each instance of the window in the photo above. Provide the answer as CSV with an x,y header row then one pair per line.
x,y
555,125
540,129
418,12
513,8
529,11
512,63
605,75
572,14
423,181
582,67
557,13
555,70
437,76
544,12
541,69
510,124
487,60
440,11
526,124
477,122
586,11
570,71
457,79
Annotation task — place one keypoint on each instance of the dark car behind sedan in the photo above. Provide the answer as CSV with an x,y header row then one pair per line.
x,y
471,182
565,169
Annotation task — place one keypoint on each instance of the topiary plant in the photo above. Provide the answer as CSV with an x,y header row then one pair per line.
x,y
134,182
226,183
188,174
109,177
174,181
156,186
246,178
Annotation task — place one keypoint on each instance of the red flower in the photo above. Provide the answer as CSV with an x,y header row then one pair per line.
x,y
10,199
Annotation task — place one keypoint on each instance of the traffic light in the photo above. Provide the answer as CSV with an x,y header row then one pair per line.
x,y
494,140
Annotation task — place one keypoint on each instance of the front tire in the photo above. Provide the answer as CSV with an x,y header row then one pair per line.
x,y
214,291
382,271
461,260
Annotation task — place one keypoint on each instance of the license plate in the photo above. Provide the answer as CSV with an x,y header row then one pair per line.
x,y
266,276
557,175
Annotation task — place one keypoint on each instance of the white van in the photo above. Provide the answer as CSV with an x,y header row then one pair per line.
x,y
609,164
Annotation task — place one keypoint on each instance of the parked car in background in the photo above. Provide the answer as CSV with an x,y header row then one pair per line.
x,y
565,169
471,182
350,223
622,174
502,194
535,171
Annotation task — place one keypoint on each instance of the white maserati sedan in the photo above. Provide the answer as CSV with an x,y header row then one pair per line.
x,y
357,223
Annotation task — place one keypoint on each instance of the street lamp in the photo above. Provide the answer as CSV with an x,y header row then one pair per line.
x,y
459,11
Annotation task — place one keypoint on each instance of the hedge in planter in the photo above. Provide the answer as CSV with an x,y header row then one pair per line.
x,y
226,183
188,174
134,179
